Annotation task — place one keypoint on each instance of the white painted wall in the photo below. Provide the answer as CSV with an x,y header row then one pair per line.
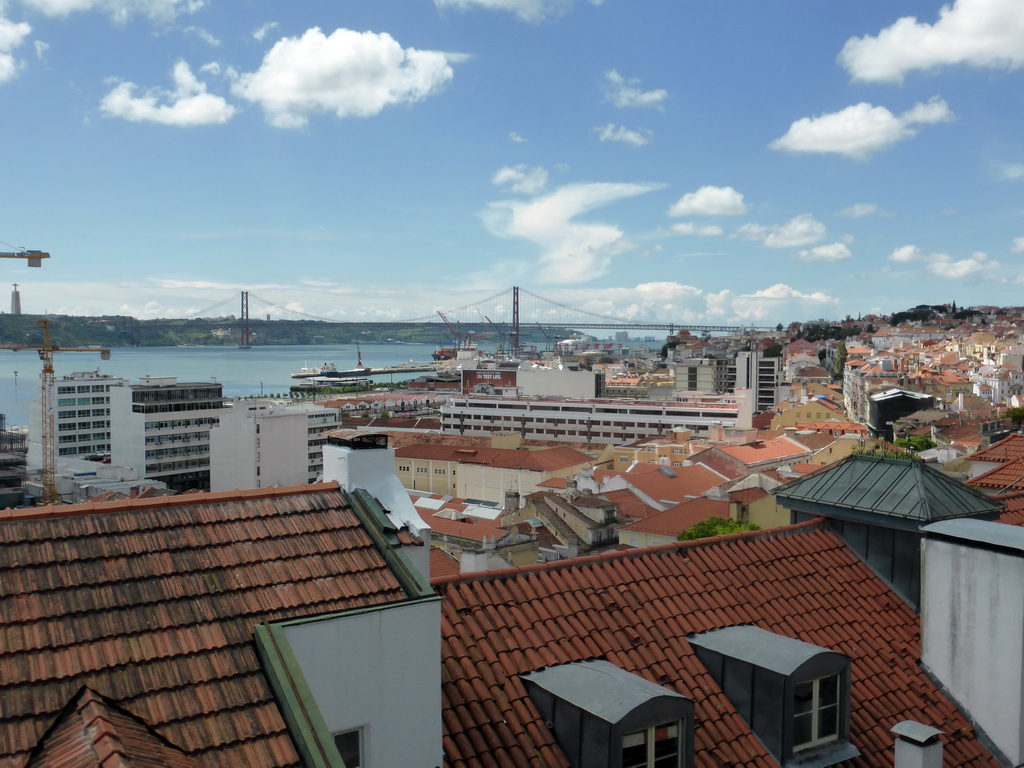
x,y
380,671
972,615
263,444
536,382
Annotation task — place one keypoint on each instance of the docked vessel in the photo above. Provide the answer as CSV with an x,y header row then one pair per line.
x,y
326,369
330,370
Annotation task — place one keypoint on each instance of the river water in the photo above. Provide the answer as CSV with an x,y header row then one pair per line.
x,y
260,370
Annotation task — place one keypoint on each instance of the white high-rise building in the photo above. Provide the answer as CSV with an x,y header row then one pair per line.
x,y
162,428
82,417
260,444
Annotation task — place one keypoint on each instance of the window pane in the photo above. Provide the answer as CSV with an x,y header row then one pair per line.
x,y
828,725
634,750
828,690
803,697
348,745
802,729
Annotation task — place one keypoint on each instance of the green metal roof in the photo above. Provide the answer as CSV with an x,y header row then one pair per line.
x,y
900,488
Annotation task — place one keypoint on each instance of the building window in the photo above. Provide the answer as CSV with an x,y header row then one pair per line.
x,y
816,712
350,746
656,747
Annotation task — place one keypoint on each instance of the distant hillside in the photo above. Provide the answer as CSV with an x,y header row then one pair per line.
x,y
123,331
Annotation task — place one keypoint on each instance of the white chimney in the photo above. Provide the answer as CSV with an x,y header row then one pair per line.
x,y
917,745
972,623
363,460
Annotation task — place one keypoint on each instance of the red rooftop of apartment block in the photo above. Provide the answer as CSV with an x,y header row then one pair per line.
x,y
153,602
637,609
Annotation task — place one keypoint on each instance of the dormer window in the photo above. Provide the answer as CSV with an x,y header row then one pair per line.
x,y
816,712
657,747
605,717
795,696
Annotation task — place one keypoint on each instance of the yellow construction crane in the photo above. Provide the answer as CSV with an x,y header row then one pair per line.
x,y
46,400
35,258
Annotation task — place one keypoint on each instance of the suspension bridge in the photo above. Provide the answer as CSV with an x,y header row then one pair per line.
x,y
508,313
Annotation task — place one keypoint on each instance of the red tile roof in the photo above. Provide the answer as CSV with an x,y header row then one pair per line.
x,y
543,460
442,564
153,605
1003,477
762,451
93,731
1008,449
636,609
674,521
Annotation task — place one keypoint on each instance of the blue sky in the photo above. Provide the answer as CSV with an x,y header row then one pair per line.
x,y
698,162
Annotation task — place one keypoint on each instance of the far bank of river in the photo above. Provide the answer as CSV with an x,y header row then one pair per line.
x,y
259,370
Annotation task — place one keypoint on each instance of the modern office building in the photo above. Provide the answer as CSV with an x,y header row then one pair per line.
x,y
82,417
259,444
162,428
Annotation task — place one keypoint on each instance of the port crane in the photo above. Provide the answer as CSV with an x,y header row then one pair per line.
x,y
47,403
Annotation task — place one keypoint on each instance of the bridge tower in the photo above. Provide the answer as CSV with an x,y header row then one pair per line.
x,y
245,331
514,336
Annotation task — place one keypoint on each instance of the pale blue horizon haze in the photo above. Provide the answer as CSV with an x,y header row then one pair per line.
x,y
692,162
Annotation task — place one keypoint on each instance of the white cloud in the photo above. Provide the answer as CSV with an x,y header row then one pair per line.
x,y
347,73
12,35
826,253
205,35
187,105
522,179
120,10
264,30
777,302
620,133
980,33
906,254
689,228
978,265
860,210
860,130
527,10
709,201
1010,171
622,92
516,138
571,251
800,230
1018,245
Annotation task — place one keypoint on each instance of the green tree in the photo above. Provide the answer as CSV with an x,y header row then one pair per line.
x,y
1016,415
916,443
716,526
840,366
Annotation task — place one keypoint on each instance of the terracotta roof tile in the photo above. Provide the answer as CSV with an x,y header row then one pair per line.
x,y
153,605
636,610
1009,449
1005,477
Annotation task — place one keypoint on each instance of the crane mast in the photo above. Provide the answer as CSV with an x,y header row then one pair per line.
x,y
47,403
